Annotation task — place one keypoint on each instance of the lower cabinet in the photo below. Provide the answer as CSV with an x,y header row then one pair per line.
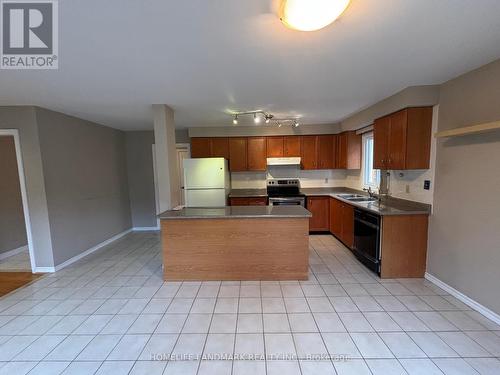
x,y
248,201
342,221
320,209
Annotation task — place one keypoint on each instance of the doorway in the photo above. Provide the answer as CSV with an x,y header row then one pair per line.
x,y
183,152
16,250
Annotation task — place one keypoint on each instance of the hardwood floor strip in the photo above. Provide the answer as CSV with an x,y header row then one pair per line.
x,y
10,281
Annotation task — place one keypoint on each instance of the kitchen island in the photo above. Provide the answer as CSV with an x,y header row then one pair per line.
x,y
236,243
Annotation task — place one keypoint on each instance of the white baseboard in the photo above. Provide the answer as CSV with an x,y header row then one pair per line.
x,y
462,297
88,252
144,229
44,270
92,249
10,253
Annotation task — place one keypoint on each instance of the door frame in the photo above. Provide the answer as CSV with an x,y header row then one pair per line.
x,y
181,147
24,195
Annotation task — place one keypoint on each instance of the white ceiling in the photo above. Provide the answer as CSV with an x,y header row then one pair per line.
x,y
117,57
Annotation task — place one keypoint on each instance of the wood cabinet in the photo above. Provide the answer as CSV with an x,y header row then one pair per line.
x,y
237,154
200,148
248,201
348,150
347,236
336,217
256,154
320,209
326,151
342,221
219,147
308,151
275,147
381,130
402,140
215,147
291,146
329,151
404,246
318,151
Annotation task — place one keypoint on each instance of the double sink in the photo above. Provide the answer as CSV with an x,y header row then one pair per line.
x,y
357,198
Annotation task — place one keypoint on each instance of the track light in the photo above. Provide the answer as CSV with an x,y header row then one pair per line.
x,y
259,115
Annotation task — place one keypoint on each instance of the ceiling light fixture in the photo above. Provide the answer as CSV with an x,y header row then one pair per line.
x,y
310,15
268,118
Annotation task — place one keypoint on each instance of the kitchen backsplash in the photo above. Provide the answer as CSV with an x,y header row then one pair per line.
x,y
318,178
402,184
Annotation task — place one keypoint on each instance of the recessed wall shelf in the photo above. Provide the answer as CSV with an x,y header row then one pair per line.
x,y
474,129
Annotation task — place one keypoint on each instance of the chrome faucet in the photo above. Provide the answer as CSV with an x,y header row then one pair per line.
x,y
370,192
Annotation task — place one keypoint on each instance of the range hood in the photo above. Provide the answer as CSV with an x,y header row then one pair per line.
x,y
283,161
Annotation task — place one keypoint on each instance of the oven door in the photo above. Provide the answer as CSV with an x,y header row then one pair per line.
x,y
287,201
367,239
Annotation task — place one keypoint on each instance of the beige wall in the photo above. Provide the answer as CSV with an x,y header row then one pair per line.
x,y
263,130
410,97
85,172
12,226
141,178
464,242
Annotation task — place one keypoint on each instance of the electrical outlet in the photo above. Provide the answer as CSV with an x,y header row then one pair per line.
x,y
427,184
407,189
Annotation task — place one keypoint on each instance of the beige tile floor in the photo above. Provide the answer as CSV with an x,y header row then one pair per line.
x,y
18,262
111,313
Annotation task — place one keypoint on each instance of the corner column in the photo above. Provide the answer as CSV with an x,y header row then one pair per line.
x,y
166,157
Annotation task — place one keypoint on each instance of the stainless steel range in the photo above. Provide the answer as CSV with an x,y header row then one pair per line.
x,y
285,192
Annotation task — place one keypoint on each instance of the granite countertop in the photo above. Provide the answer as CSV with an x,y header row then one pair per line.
x,y
247,193
385,207
237,212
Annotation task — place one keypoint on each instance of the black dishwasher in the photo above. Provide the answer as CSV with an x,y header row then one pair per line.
x,y
367,239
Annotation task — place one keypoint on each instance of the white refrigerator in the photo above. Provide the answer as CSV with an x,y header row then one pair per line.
x,y
206,182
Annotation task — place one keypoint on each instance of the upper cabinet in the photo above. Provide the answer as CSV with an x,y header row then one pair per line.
x,y
238,154
327,145
200,147
291,146
220,147
210,148
332,151
275,147
256,151
308,151
348,150
402,140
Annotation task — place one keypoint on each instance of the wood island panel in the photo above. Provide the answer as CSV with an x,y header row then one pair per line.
x,y
404,246
235,249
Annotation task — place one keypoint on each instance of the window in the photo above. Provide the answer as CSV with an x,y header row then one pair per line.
x,y
371,177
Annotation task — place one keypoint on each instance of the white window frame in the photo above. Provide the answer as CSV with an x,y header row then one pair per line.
x,y
368,163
